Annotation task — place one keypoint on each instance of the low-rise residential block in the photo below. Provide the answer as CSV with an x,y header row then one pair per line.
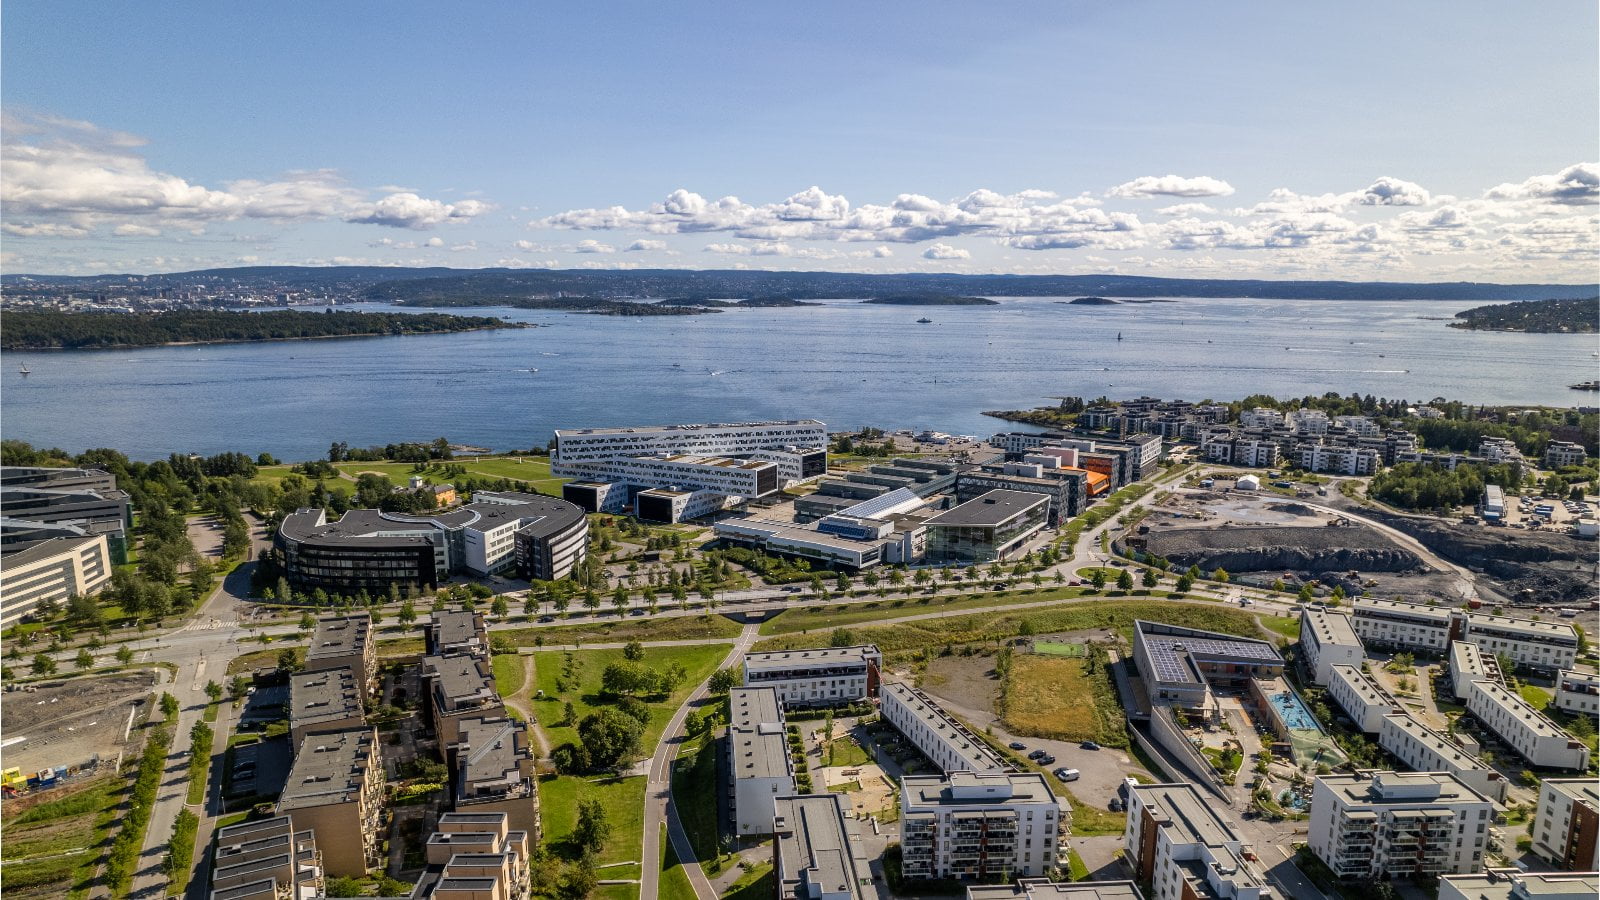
x,y
1045,889
1362,698
335,789
759,764
325,701
1566,823
1421,749
1327,639
819,676
340,642
935,733
493,768
1531,733
1514,884
1380,825
1179,843
266,860
459,688
815,852
1577,692
972,825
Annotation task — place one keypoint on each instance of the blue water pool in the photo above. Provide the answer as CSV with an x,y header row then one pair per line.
x,y
1293,712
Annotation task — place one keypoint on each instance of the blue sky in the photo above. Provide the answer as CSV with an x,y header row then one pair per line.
x,y
1428,141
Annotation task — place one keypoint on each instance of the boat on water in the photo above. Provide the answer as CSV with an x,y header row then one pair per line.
x,y
924,321
24,371
1119,335
1585,386
533,371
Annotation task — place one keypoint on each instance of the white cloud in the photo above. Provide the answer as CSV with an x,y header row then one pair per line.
x,y
1186,209
1172,186
131,230
644,245
593,246
945,251
1576,185
882,251
44,229
1388,191
407,210
433,242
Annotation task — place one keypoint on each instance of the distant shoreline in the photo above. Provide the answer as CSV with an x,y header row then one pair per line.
x,y
59,348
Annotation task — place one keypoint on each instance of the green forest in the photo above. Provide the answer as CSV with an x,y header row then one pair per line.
x,y
27,329
1537,316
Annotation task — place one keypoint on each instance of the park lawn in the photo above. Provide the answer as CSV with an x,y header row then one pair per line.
x,y
1002,625
669,628
823,618
1042,696
699,661
755,884
85,818
1537,696
257,659
623,800
1057,648
674,883
694,794
1288,626
846,753
508,673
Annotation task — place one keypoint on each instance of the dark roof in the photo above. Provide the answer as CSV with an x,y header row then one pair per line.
x,y
543,515
990,509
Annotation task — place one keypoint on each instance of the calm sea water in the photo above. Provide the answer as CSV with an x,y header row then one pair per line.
x,y
846,363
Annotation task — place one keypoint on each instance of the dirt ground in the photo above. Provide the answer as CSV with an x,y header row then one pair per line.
x,y
967,681
64,723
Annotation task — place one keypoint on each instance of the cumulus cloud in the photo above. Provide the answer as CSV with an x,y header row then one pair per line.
x,y
639,245
1387,191
43,229
74,175
131,230
1186,209
945,251
1172,186
1576,185
593,246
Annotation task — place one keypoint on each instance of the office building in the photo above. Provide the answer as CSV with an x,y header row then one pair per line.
x,y
978,825
476,856
1361,697
1045,889
1327,639
935,733
459,688
1380,825
1180,666
51,572
266,860
324,701
51,478
1539,741
815,852
759,766
1577,692
1179,844
1514,884
37,504
335,789
493,771
800,542
1566,823
345,642
990,528
1421,749
1068,488
535,536
458,632
1560,454
820,676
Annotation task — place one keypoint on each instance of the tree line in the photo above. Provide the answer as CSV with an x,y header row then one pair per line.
x,y
28,329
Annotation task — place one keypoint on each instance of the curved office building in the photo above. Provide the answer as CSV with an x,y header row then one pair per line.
x,y
528,535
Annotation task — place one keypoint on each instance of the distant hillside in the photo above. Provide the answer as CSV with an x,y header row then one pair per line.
x,y
1534,316
50,330
931,300
487,287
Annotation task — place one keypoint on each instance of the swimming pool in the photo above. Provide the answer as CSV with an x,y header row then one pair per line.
x,y
1292,712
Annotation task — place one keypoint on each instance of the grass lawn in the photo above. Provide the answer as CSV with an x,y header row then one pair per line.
x,y
694,793
1535,695
82,820
508,674
257,659
674,883
1092,820
845,787
623,799
1042,696
402,647
1076,869
1288,626
671,628
1110,573
584,692
845,752
823,618
754,884
904,637
1056,648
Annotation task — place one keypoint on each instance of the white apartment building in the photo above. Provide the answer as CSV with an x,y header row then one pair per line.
x,y
1578,692
1529,732
1261,417
758,757
821,676
50,572
972,825
1543,646
1178,842
1421,749
1566,823
1361,697
1381,825
1327,639
1469,664
1402,626
816,854
1338,460
1497,450
1308,421
1045,889
1512,884
1359,425
944,741
1564,453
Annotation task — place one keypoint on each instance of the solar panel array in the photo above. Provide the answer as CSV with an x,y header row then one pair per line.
x,y
1169,666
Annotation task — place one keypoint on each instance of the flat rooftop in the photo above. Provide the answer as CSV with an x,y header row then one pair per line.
x,y
1044,889
495,750
1442,746
330,768
1530,718
816,656
460,680
815,848
976,789
458,628
1511,884
688,429
1394,789
720,462
956,735
769,529
325,696
1365,686
1174,652
994,508
760,748
1191,815
1436,615
1583,790
339,636
1330,628
373,524
1522,626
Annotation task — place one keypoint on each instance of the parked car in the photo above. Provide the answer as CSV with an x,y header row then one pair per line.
x,y
1089,745
547,618
1047,760
1037,754
1066,774
1017,745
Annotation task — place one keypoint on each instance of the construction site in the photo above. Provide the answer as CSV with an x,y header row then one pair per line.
x,y
59,730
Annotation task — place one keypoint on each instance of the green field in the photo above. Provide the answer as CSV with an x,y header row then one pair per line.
x,y
1056,648
623,799
1536,696
534,470
846,753
825,618
52,850
674,883
668,628
694,793
699,661
1043,696
508,673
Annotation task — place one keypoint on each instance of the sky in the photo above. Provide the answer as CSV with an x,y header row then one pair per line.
x,y
1418,141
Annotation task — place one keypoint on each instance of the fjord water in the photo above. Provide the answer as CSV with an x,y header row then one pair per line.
x,y
844,362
